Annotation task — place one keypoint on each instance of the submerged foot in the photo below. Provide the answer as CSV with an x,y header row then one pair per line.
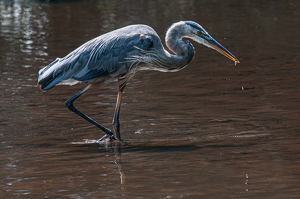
x,y
111,138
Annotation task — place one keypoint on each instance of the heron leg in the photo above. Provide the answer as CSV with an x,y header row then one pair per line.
x,y
116,122
69,104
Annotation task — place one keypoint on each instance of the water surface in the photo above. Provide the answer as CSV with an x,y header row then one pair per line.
x,y
212,130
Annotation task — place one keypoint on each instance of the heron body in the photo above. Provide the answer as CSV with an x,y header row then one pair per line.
x,y
120,54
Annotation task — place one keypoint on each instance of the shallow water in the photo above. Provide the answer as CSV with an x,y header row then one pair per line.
x,y
212,130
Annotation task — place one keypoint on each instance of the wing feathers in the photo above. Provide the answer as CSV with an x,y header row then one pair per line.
x,y
105,56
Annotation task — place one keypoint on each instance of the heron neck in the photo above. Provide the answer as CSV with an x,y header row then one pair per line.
x,y
183,50
173,63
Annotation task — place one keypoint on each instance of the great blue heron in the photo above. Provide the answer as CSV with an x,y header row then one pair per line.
x,y
120,54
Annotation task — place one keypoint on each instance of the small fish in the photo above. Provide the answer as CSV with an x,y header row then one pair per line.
x,y
236,61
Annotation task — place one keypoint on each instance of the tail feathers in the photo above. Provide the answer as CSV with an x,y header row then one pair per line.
x,y
48,76
49,82
43,70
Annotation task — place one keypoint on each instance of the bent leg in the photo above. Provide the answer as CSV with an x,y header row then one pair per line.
x,y
69,104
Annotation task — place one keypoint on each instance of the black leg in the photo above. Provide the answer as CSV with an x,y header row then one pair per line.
x,y
69,104
116,122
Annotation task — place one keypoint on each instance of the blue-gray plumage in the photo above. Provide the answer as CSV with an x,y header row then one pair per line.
x,y
120,54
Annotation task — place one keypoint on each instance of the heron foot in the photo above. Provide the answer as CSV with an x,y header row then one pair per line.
x,y
111,138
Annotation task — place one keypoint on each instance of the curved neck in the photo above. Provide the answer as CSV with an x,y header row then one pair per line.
x,y
183,50
160,59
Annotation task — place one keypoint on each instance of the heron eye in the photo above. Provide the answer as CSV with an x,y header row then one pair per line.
x,y
199,32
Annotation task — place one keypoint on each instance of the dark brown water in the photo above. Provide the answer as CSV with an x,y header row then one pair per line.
x,y
212,130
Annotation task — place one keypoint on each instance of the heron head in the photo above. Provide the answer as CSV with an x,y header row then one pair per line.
x,y
195,32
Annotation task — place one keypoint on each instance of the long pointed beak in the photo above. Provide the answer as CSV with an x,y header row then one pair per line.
x,y
212,43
